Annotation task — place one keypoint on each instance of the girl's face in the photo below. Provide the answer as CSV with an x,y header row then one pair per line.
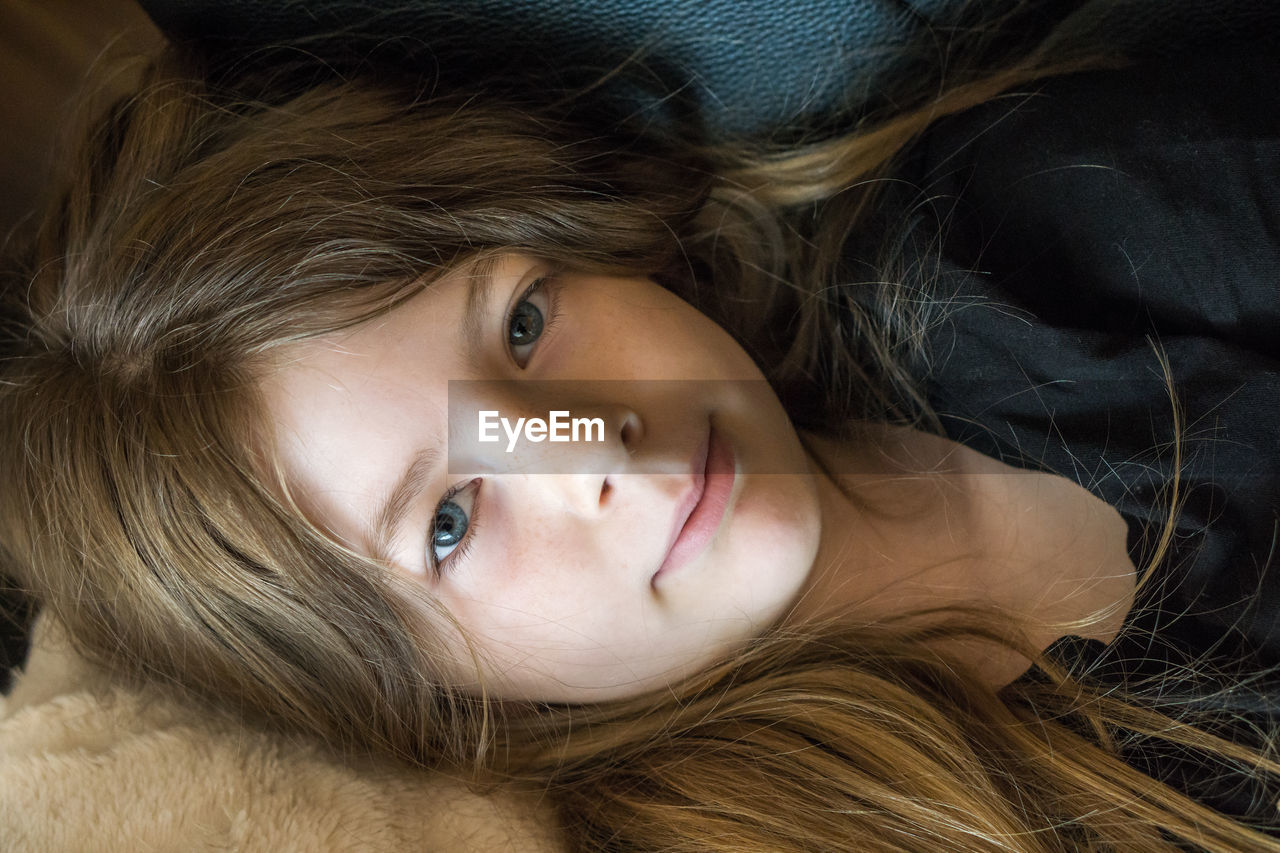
x,y
548,556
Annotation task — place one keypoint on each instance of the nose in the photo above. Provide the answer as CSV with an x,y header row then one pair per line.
x,y
580,474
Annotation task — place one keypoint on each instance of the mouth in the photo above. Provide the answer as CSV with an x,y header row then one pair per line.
x,y
699,515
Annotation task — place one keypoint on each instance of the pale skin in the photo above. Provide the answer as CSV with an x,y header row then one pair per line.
x,y
557,589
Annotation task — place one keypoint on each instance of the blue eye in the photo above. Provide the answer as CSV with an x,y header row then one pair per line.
x,y
455,518
528,323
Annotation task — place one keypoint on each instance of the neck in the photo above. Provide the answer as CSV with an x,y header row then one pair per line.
x,y
912,521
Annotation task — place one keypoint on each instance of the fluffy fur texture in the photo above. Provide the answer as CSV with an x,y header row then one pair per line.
x,y
89,764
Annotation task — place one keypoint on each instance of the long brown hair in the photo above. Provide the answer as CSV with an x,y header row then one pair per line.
x,y
204,226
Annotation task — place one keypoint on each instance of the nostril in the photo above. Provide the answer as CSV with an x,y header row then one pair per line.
x,y
605,490
632,432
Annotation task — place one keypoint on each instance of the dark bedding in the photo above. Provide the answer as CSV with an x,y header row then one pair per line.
x,y
1108,213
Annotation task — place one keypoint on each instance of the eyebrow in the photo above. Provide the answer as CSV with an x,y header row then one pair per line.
x,y
474,313
395,506
392,509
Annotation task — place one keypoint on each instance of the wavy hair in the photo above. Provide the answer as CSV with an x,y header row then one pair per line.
x,y
203,226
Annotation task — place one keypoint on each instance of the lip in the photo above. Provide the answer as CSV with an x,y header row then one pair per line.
x,y
699,516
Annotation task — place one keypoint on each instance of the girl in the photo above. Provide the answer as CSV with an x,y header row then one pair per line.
x,y
774,607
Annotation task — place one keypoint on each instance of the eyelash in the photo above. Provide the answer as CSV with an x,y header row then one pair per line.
x,y
552,319
473,527
460,553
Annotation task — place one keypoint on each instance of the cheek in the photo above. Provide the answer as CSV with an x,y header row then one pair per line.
x,y
573,632
776,532
577,649
549,595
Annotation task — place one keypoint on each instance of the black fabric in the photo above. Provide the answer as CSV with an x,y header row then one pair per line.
x,y
17,612
1079,226
757,67
735,66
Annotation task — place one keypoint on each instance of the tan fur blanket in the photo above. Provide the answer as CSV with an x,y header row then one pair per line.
x,y
88,766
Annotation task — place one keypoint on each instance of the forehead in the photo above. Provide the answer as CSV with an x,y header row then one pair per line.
x,y
349,408
394,353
